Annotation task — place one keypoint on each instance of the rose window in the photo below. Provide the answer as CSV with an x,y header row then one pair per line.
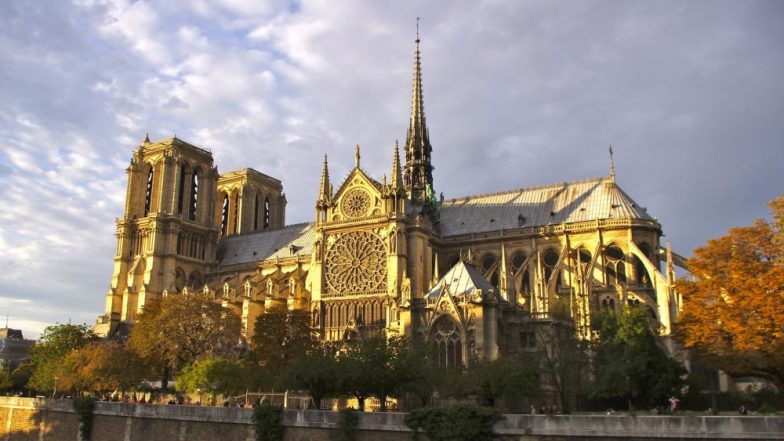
x,y
355,203
356,263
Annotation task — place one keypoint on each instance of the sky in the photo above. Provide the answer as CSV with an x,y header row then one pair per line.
x,y
517,94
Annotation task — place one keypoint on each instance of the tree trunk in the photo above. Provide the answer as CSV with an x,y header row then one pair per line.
x,y
360,403
165,379
383,399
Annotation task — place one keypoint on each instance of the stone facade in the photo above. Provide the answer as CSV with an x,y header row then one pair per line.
x,y
474,275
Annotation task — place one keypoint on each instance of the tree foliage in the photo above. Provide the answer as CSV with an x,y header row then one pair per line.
x,y
629,366
280,336
316,373
511,376
177,330
50,350
733,309
372,367
100,367
459,422
216,375
564,359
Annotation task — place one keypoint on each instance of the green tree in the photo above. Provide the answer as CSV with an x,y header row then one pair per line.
x,y
419,374
316,373
177,330
370,367
280,336
51,349
20,377
629,366
564,360
5,379
733,308
215,375
506,377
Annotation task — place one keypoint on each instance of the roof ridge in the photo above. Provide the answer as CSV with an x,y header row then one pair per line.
x,y
520,190
271,230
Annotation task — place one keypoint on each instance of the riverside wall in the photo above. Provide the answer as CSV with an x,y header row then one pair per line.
x,y
23,419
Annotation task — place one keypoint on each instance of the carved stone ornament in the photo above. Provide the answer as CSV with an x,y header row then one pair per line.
x,y
355,203
356,263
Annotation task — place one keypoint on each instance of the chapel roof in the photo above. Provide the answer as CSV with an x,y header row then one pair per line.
x,y
463,279
576,201
268,244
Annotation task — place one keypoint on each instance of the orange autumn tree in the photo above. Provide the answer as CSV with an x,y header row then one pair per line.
x,y
733,309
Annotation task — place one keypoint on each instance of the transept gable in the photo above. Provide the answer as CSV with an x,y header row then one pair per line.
x,y
358,197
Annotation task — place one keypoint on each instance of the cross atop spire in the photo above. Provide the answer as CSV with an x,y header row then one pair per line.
x,y
418,174
356,156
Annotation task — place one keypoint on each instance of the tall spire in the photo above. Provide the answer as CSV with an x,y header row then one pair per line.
x,y
612,165
324,192
397,180
419,171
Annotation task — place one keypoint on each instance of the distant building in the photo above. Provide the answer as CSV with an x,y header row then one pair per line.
x,y
13,348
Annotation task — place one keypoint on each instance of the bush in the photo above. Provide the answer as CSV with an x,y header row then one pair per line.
x,y
84,407
459,422
267,422
348,420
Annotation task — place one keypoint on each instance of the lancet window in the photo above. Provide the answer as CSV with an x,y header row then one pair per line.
x,y
148,192
447,343
616,266
194,199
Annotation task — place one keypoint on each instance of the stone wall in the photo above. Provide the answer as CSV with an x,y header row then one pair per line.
x,y
24,419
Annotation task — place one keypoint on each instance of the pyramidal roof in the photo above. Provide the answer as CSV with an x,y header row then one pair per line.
x,y
576,201
463,279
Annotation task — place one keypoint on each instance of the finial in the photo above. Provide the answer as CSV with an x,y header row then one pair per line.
x,y
417,24
612,165
147,138
356,156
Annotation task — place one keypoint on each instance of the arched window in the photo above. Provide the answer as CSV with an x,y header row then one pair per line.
x,y
487,262
148,193
616,268
517,261
256,213
639,267
447,343
550,260
583,260
225,216
181,189
266,213
194,199
235,211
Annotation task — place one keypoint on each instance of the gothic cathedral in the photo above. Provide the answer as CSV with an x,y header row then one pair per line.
x,y
475,276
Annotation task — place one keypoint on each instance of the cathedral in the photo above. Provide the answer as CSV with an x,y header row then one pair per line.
x,y
475,276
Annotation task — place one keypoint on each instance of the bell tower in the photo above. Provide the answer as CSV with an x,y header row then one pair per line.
x,y
166,237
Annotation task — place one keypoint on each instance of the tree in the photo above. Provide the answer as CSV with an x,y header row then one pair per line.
x,y
179,329
629,366
48,353
420,376
5,379
512,376
371,367
99,367
215,375
316,373
280,336
733,309
564,359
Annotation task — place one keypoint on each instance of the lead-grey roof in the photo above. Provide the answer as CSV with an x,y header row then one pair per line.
x,y
576,201
269,244
462,279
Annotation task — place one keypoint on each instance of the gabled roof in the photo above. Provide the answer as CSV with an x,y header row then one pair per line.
x,y
576,201
463,279
269,244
